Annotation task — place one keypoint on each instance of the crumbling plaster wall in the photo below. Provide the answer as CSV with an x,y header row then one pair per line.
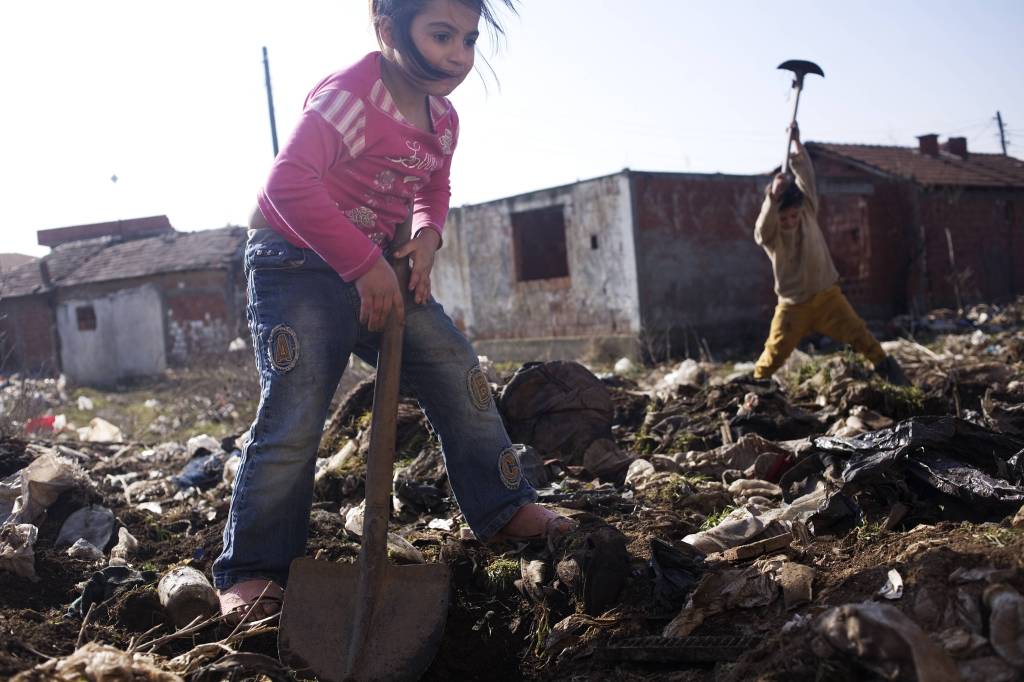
x,y
127,341
475,275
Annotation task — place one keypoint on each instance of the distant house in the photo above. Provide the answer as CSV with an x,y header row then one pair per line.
x,y
666,262
122,299
9,261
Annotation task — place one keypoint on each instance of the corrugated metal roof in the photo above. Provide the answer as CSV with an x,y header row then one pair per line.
x,y
109,258
946,169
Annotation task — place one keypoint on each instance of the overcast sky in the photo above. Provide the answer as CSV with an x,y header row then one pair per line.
x,y
169,96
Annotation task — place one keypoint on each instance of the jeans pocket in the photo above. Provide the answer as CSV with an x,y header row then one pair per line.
x,y
273,253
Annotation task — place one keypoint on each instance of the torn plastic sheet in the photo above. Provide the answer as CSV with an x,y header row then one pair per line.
x,y
720,591
893,587
885,641
94,524
106,583
676,570
945,467
42,482
16,553
203,471
1006,622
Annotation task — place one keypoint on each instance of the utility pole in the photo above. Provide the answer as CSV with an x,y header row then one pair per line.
x,y
1002,131
270,100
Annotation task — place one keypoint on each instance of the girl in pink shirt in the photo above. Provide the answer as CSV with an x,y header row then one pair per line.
x,y
374,144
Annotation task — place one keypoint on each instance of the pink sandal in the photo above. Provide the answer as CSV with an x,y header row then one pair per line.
x,y
250,601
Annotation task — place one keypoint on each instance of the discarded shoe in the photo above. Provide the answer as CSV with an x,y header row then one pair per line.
x,y
749,378
250,601
592,563
891,370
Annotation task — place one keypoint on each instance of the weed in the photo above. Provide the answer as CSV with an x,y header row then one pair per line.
x,y
716,518
904,400
541,629
807,371
683,441
501,573
998,535
695,480
668,491
645,444
869,532
506,369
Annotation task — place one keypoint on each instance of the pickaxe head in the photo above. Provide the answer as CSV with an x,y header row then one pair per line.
x,y
800,68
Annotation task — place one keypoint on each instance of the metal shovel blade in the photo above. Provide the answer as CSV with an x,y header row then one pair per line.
x,y
409,614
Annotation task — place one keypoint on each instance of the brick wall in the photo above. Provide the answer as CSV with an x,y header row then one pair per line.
x,y
27,336
987,235
701,274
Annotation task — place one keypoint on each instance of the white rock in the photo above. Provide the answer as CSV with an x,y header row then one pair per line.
x,y
100,431
639,471
623,366
204,441
83,549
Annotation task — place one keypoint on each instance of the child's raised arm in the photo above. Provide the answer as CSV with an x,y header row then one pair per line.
x,y
803,169
767,225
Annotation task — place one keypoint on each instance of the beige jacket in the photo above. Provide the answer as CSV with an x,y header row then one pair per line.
x,y
800,259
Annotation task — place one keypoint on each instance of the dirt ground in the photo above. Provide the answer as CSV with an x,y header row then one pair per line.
x,y
589,608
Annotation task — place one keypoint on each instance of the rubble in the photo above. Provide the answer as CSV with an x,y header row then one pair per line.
x,y
824,525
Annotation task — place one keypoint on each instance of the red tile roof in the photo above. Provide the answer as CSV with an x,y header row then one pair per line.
x,y
977,170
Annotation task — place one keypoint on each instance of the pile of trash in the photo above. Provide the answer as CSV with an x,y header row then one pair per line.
x,y
821,525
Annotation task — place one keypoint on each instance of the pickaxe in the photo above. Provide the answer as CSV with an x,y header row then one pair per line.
x,y
800,68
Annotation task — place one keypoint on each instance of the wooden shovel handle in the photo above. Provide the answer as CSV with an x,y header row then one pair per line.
x,y
381,458
373,554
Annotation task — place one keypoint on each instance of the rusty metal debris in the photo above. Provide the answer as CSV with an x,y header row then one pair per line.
x,y
707,649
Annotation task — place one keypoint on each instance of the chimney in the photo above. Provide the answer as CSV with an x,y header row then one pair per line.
x,y
928,144
956,145
135,228
44,273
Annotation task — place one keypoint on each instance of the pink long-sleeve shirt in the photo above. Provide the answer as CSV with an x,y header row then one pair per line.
x,y
354,166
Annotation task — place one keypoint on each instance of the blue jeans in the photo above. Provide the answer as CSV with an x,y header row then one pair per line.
x,y
304,321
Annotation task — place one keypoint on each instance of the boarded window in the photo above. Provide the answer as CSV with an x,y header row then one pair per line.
x,y
539,244
86,316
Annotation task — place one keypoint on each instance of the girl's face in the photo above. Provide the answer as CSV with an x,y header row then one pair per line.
x,y
445,33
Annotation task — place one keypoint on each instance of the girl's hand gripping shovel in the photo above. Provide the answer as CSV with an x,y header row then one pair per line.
x,y
371,620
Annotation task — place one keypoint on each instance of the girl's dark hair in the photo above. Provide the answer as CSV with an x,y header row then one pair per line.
x,y
402,12
791,197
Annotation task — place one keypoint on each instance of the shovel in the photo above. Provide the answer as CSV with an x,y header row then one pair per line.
x,y
371,620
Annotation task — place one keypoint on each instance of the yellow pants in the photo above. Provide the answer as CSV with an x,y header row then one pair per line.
x,y
828,313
